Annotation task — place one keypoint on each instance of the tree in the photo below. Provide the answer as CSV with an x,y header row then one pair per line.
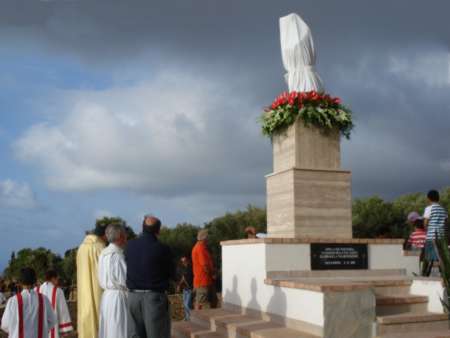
x,y
232,226
180,239
105,221
39,259
373,217
69,266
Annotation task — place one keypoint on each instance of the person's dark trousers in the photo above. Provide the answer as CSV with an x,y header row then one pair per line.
x,y
148,315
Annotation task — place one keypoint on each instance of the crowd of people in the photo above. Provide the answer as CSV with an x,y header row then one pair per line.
x,y
37,310
122,288
122,285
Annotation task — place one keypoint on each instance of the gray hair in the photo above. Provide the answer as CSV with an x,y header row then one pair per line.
x,y
113,232
202,235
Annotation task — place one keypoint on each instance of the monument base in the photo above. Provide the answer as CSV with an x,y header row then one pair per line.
x,y
273,277
309,203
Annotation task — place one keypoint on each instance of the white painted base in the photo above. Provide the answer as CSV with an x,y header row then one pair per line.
x,y
246,266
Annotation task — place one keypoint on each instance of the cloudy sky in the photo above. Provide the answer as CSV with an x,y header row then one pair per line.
x,y
128,107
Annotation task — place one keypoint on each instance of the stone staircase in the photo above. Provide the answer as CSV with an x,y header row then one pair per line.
x,y
219,323
402,314
399,314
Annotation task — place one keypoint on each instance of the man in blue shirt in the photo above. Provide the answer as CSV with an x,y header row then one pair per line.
x,y
149,269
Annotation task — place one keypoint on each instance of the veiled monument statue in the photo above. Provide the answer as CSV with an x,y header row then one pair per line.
x,y
308,195
309,277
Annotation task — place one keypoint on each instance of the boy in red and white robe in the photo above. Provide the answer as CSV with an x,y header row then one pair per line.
x,y
28,314
59,305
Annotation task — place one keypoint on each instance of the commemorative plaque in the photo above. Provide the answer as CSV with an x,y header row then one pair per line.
x,y
339,256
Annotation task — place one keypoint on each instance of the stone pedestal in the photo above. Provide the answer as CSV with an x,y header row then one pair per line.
x,y
309,203
306,148
307,194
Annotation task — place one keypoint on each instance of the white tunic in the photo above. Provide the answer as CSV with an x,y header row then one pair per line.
x,y
59,305
30,316
112,273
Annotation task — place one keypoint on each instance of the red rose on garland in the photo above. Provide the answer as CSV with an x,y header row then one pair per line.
x,y
319,109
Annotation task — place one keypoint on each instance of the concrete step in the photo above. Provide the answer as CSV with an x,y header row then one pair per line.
x,y
191,330
394,289
232,324
391,305
411,322
433,334
207,317
270,330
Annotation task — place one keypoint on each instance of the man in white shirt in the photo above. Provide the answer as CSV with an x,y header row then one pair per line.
x,y
59,305
112,274
28,314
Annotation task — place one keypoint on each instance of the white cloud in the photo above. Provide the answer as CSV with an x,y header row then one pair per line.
x,y
176,134
430,69
16,195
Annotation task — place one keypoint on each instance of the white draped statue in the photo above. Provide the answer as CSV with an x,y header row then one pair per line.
x,y
299,57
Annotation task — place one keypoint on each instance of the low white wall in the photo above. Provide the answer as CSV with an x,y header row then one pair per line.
x,y
245,267
433,289
288,257
243,274
390,256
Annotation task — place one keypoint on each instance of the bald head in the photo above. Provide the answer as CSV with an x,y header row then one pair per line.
x,y
151,224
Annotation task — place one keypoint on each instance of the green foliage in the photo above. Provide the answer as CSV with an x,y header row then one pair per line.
x,y
373,217
231,226
40,259
180,239
318,109
69,266
105,221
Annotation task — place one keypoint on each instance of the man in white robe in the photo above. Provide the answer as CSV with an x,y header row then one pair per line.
x,y
59,305
112,272
28,314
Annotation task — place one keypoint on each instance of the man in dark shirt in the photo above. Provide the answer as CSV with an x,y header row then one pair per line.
x,y
149,269
185,282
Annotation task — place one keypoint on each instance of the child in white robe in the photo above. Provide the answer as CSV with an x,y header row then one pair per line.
x,y
28,314
59,305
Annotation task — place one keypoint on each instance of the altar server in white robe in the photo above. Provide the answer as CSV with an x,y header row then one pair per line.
x,y
112,273
59,305
28,314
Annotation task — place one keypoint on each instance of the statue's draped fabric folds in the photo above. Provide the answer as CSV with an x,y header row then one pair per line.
x,y
299,57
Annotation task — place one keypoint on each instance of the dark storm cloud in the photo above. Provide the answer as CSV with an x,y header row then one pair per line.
x,y
372,53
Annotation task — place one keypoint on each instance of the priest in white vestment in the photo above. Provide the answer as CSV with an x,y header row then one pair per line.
x,y
89,292
112,272
28,314
59,305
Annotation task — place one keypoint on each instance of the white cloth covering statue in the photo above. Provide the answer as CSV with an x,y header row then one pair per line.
x,y
299,57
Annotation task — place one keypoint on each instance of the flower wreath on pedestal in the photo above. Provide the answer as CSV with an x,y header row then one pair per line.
x,y
318,109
